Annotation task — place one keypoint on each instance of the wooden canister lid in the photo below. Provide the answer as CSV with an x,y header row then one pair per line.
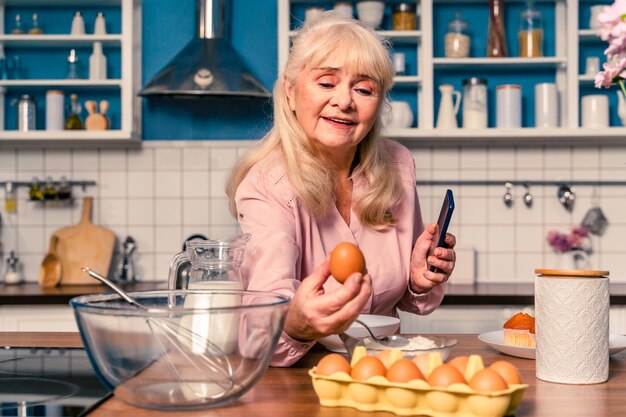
x,y
572,273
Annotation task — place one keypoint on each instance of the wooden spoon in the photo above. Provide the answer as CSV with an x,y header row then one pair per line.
x,y
50,269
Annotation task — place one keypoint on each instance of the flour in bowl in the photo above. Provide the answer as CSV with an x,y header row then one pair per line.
x,y
420,343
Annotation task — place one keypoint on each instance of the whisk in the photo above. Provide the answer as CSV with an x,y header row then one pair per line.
x,y
213,362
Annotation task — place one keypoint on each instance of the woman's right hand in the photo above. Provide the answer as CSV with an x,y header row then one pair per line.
x,y
313,314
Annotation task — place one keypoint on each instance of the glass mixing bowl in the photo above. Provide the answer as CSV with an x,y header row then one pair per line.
x,y
186,350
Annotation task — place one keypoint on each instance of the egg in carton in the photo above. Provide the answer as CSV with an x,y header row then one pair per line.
x,y
416,397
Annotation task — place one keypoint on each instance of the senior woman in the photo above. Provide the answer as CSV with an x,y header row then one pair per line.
x,y
324,175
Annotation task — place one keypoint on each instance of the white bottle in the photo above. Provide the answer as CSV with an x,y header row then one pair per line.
x,y
97,63
99,27
78,25
55,106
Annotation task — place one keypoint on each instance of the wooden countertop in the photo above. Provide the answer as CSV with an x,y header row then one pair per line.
x,y
477,294
287,392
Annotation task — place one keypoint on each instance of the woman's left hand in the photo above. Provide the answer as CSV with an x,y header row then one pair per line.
x,y
422,279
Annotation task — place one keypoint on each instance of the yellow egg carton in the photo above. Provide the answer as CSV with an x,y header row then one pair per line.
x,y
416,397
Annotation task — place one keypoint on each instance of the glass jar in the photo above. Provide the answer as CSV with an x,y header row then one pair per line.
x,y
474,103
457,42
530,35
496,40
403,16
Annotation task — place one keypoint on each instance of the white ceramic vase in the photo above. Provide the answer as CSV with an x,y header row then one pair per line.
x,y
621,107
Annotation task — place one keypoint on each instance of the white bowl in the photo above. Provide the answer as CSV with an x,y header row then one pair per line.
x,y
371,12
380,325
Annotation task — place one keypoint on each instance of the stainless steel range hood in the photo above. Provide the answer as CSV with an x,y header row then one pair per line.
x,y
208,66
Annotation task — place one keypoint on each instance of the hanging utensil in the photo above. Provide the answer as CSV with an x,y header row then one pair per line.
x,y
594,220
528,198
508,196
567,197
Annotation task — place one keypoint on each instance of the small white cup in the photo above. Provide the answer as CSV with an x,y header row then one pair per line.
x,y
595,12
595,111
371,12
312,13
344,8
592,65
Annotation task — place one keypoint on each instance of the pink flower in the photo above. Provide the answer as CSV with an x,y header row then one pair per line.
x,y
578,239
613,30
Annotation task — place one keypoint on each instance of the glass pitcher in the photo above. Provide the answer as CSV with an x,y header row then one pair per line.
x,y
215,264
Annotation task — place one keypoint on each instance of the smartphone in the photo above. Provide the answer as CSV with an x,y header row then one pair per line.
x,y
439,240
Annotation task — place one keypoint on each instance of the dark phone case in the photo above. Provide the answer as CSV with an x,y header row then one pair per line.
x,y
441,243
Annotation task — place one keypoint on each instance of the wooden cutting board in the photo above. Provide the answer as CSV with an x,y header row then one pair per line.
x,y
84,244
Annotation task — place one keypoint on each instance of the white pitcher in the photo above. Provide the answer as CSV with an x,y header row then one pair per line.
x,y
621,108
446,118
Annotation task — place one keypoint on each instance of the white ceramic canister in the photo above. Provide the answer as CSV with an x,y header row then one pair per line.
x,y
572,326
546,105
55,105
474,103
594,111
509,106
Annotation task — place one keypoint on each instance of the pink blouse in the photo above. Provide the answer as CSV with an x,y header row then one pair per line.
x,y
288,244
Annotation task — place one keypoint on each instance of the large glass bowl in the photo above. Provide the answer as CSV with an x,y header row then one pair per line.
x,y
186,350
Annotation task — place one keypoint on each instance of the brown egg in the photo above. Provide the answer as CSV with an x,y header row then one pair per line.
x,y
367,367
332,363
385,357
445,375
459,362
404,370
423,362
487,380
507,371
345,260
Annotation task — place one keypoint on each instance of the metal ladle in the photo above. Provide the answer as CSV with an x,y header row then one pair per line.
x,y
393,341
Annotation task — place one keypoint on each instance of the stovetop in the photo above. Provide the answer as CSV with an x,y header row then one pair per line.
x,y
47,382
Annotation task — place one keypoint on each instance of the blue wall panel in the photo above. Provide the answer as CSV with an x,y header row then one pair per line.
x,y
167,27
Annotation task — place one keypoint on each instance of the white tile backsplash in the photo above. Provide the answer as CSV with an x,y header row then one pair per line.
x,y
222,159
57,160
168,159
141,212
167,190
196,158
140,184
168,211
168,184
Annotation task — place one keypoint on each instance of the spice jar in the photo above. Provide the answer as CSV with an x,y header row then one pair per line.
x,y
404,16
530,33
457,42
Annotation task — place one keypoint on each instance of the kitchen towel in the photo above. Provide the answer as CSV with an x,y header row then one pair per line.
x,y
572,326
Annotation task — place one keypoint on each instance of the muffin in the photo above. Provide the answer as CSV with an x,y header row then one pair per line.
x,y
519,330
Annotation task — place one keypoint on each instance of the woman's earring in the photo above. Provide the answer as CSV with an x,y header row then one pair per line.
x,y
528,198
508,197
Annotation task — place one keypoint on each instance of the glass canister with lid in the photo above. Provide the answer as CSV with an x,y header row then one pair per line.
x,y
530,35
457,41
404,17
474,103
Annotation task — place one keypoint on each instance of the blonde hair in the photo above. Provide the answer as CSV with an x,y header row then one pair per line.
x,y
309,177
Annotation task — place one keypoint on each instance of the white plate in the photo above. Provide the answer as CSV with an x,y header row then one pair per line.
x,y
495,339
380,325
